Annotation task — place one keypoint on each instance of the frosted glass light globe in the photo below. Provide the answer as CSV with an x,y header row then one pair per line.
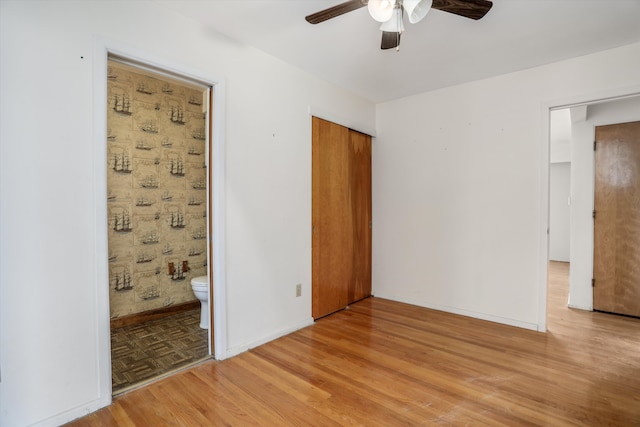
x,y
381,10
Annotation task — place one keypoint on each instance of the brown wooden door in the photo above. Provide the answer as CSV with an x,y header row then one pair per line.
x,y
616,264
341,216
360,203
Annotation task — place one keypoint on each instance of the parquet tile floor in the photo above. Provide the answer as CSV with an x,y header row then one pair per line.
x,y
147,350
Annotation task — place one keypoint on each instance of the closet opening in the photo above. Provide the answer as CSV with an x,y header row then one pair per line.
x,y
341,217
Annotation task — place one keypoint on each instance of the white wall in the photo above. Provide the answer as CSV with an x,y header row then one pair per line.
x,y
50,352
460,183
560,135
559,211
559,184
582,179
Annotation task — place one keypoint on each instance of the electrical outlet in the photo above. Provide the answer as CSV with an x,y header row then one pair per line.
x,y
298,290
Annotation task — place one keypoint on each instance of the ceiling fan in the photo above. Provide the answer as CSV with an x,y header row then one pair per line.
x,y
391,12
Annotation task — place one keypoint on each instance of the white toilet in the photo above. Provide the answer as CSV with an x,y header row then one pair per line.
x,y
200,286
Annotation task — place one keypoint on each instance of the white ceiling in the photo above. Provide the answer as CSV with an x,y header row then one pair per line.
x,y
441,50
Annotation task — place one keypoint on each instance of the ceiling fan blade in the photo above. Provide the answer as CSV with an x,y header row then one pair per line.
x,y
337,10
390,40
473,9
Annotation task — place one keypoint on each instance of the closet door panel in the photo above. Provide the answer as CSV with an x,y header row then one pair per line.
x,y
332,243
360,210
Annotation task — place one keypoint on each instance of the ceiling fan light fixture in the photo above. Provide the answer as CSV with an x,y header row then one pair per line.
x,y
417,9
394,24
381,10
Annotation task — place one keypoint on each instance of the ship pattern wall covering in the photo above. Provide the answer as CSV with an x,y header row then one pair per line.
x,y
156,189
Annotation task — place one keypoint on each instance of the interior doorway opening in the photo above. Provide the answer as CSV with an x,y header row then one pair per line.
x,y
159,132
582,119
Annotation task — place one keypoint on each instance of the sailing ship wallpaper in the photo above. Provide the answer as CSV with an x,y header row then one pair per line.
x,y
156,186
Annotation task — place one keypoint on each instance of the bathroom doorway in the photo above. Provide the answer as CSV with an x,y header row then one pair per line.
x,y
158,156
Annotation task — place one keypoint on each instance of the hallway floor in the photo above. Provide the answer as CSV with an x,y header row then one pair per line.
x,y
146,350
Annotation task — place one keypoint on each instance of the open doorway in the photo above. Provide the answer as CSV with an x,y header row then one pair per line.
x,y
158,134
581,121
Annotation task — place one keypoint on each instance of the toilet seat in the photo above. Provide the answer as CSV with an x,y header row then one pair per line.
x,y
201,281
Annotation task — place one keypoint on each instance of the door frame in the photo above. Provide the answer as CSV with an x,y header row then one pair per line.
x,y
103,48
543,229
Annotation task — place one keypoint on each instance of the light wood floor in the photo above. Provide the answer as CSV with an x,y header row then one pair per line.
x,y
383,363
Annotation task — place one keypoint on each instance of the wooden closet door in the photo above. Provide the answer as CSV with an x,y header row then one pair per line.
x,y
360,206
616,259
332,245
341,217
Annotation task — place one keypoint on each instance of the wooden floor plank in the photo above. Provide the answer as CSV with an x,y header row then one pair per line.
x,y
383,363
214,405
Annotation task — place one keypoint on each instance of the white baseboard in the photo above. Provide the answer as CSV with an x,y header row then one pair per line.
x,y
467,313
234,351
580,307
74,413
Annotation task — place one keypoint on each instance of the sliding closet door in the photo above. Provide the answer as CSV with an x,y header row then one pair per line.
x,y
341,217
331,222
360,210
